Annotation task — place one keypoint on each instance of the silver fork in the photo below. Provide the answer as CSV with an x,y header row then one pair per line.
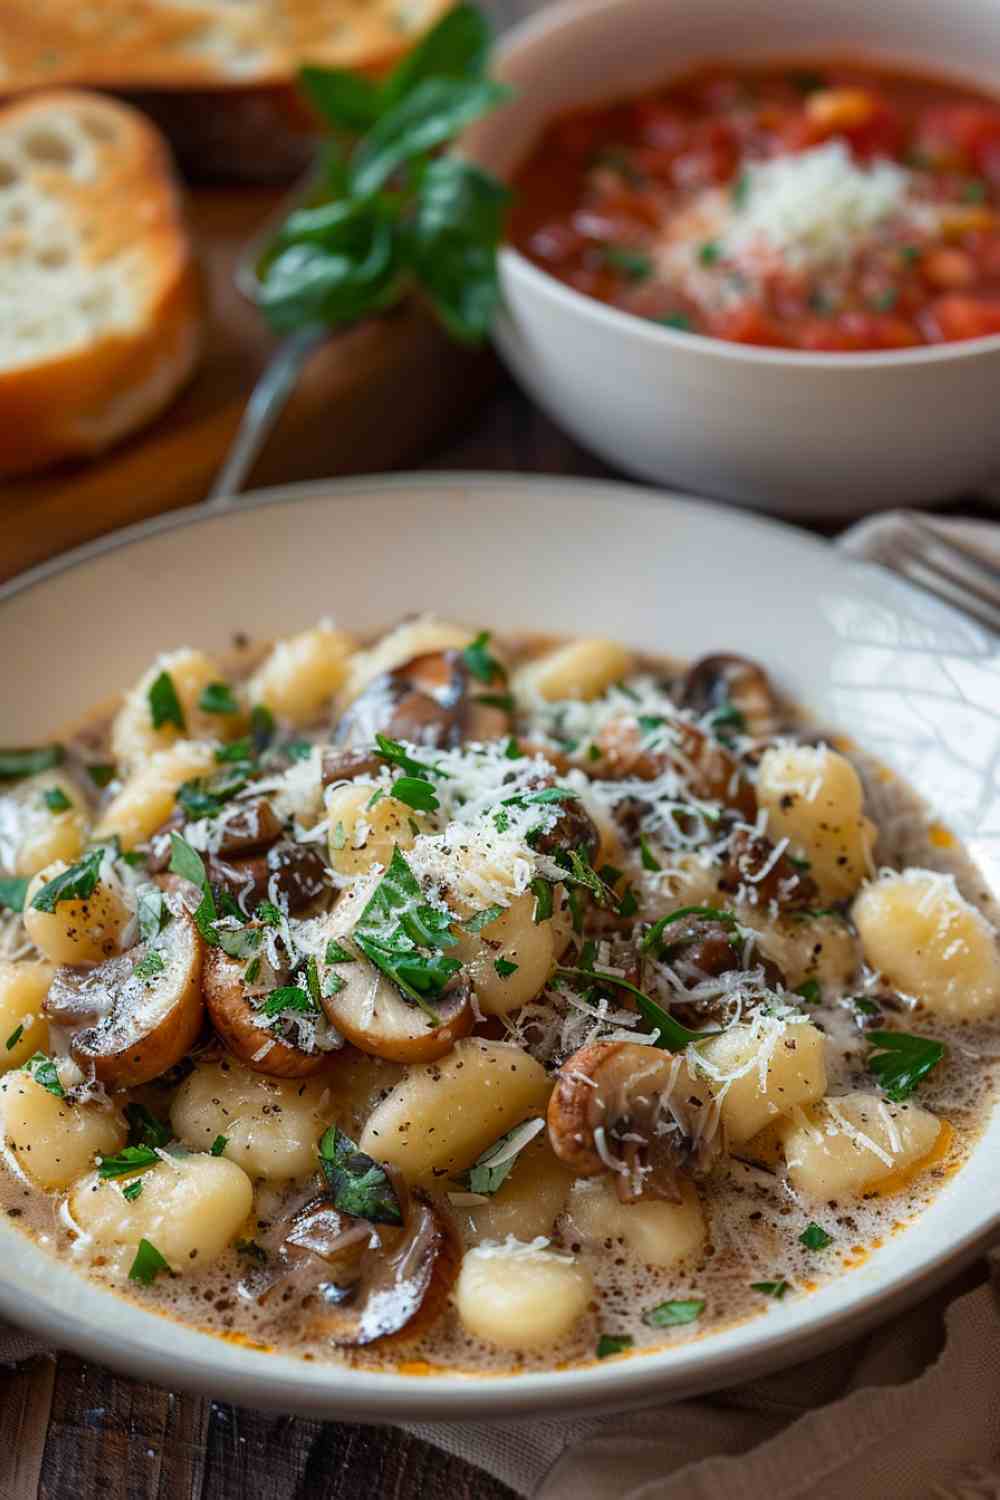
x,y
963,577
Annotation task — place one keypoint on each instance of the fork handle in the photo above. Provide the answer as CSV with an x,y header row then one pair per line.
x,y
267,401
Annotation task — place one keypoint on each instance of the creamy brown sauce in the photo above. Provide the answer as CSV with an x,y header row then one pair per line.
x,y
754,1221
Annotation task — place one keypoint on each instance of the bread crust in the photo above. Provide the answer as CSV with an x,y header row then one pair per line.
x,y
76,401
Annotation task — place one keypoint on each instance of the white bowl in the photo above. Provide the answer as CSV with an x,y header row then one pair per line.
x,y
904,675
803,434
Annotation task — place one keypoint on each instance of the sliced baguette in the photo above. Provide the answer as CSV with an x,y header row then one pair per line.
x,y
197,44
99,299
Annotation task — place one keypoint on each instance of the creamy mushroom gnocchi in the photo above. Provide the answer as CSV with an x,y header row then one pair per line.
x,y
479,1004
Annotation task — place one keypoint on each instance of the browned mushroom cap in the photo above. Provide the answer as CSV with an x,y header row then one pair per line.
x,y
361,1284
237,1021
367,1008
726,681
431,700
248,826
633,1110
135,1016
403,1281
713,773
295,871
699,948
751,864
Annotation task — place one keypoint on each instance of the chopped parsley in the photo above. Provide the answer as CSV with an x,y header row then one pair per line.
x,y
673,1037
775,1289
15,764
814,1237
262,727
335,954
13,892
147,1265
546,795
634,265
218,698
504,967
150,966
357,1185
709,252
654,937
484,918
252,971
405,937
128,1160
809,991
151,912
512,750
674,1314
480,662
543,892
75,884
899,1061
416,793
164,704
503,701
43,1070
144,1129
649,859
485,1177
132,1190
612,1343
269,914
101,773
55,799
219,1145
288,998
15,1037
394,752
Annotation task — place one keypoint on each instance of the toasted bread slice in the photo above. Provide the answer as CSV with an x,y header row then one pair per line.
x,y
198,44
99,299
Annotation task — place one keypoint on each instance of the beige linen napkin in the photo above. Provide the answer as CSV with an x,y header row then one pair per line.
x,y
909,1412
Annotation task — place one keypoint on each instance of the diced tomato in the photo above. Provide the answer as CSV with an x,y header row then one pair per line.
x,y
856,331
578,134
711,157
747,325
659,125
966,136
880,133
961,317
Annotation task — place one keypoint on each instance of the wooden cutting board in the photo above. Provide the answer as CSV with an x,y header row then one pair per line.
x,y
372,398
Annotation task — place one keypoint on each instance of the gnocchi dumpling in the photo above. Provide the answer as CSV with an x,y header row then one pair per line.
x,y
762,1075
41,820
656,1232
53,1140
846,1146
364,827
270,1126
135,735
929,942
444,1114
814,799
521,1296
583,669
81,931
190,1208
510,960
302,674
411,639
528,1203
146,800
23,1028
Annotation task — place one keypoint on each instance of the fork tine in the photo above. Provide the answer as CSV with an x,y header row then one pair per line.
x,y
978,565
952,572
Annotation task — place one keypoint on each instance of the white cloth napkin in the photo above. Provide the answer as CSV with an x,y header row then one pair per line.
x,y
909,1412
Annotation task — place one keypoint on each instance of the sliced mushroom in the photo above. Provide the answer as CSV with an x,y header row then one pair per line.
x,y
711,771
360,1283
431,700
753,865
295,871
575,830
237,1020
699,949
726,681
368,1009
343,765
632,1110
130,1020
248,826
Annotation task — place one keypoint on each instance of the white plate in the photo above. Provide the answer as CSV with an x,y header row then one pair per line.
x,y
902,674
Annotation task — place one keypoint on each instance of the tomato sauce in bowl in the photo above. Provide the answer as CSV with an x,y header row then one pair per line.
x,y
843,207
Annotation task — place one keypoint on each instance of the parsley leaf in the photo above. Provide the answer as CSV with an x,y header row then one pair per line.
x,y
654,937
218,698
151,912
649,859
13,892
164,704
55,799
814,1237
393,751
612,1343
219,1145
335,954
128,1160
15,1037
144,1129
147,1265
775,1289
504,967
543,891
288,997
132,1190
75,884
101,773
43,1071
810,991
899,1061
674,1314
187,862
480,662
14,764
405,937
673,1036
483,918
486,1175
150,966
357,1185
416,793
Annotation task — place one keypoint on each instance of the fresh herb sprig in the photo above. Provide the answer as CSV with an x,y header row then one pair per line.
x,y
387,214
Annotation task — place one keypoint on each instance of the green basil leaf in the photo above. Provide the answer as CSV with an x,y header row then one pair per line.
x,y
147,1265
543,891
431,113
307,284
344,98
810,991
457,47
238,942
132,1190
335,954
357,1185
187,862
649,859
289,997
711,913
164,704
485,1177
15,764
101,773
262,727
